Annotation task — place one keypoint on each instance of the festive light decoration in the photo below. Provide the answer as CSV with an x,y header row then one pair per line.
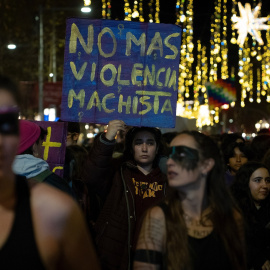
x,y
253,68
104,12
109,12
248,22
157,12
127,11
135,13
151,11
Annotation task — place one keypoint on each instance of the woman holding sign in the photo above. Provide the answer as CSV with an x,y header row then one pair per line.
x,y
198,226
128,186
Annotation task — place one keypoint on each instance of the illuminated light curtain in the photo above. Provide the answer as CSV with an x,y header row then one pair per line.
x,y
135,13
266,67
215,43
104,9
109,10
201,113
180,12
127,10
224,45
204,67
250,85
151,11
186,53
157,11
197,84
233,78
242,74
233,39
181,18
141,11
258,85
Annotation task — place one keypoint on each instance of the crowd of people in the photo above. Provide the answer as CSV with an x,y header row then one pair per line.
x,y
134,199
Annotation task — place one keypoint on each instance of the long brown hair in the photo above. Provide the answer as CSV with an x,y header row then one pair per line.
x,y
226,220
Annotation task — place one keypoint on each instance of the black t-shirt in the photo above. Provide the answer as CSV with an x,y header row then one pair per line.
x,y
20,249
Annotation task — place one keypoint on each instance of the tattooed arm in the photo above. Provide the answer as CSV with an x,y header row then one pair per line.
x,y
151,243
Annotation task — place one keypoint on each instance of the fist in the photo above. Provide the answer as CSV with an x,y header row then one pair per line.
x,y
113,127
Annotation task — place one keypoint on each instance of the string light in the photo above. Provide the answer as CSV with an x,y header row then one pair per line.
x,y
141,11
127,10
258,85
109,11
224,45
135,13
266,66
151,11
157,12
233,39
104,9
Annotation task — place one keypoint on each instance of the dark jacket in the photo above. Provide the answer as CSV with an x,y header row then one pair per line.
x,y
258,238
118,224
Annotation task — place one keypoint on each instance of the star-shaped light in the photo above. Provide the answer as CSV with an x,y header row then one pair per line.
x,y
248,22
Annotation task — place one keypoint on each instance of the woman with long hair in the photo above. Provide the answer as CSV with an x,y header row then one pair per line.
x,y
251,191
198,225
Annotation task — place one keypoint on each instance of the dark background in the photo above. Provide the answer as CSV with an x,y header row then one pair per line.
x,y
19,24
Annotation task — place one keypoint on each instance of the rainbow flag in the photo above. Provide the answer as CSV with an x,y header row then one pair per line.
x,y
220,92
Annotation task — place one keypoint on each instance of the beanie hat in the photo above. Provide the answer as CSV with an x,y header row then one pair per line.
x,y
29,134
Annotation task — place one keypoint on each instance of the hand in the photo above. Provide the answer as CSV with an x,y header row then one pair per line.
x,y
113,127
266,265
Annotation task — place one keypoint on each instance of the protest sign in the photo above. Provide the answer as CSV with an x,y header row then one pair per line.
x,y
121,70
54,145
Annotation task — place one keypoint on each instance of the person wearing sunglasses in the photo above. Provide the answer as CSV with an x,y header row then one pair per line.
x,y
198,225
41,227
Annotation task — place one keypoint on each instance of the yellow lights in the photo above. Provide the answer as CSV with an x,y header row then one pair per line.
x,y
127,10
87,2
86,8
157,11
135,14
225,106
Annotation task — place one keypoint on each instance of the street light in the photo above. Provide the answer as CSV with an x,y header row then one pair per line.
x,y
11,46
85,9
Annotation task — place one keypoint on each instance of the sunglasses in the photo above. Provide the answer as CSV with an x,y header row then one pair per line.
x,y
9,123
186,156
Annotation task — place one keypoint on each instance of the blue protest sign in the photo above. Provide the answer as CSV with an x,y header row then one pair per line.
x,y
121,70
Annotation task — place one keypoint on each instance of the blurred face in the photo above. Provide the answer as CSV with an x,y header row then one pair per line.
x,y
237,160
72,138
184,167
144,148
38,149
9,137
259,185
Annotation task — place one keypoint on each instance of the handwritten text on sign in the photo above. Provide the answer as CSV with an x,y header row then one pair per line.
x,y
54,145
121,70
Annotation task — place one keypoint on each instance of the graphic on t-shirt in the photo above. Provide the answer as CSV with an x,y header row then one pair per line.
x,y
146,189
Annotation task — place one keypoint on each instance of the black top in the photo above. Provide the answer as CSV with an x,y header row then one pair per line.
x,y
20,250
205,253
208,253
